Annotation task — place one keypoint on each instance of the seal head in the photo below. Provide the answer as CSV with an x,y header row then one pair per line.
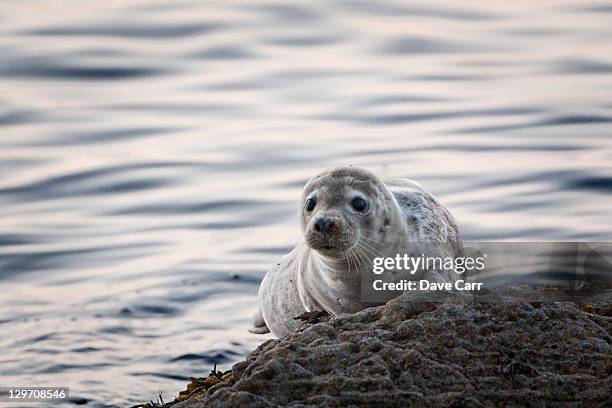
x,y
346,211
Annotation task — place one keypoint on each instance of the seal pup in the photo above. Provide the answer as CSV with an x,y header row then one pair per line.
x,y
348,217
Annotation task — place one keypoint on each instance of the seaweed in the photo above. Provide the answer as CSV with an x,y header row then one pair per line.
x,y
197,388
315,316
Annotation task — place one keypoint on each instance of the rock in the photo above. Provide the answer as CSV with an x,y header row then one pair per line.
x,y
432,354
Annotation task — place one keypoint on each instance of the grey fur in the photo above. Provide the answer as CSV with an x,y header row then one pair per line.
x,y
323,272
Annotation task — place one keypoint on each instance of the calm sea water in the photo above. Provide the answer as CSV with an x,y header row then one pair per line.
x,y
152,154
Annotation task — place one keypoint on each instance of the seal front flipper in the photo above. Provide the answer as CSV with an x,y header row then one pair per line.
x,y
259,326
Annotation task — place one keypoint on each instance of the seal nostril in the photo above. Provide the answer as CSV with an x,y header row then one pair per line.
x,y
330,226
324,225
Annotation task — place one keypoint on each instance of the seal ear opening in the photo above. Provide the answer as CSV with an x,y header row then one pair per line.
x,y
259,325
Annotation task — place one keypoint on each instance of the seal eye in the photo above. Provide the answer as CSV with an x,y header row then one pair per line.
x,y
310,204
359,204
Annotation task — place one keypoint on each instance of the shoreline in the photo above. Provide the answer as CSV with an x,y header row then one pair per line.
x,y
409,353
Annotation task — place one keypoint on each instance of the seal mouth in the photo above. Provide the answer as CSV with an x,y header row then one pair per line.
x,y
330,249
324,247
327,248
328,244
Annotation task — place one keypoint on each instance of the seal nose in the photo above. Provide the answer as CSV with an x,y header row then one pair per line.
x,y
324,225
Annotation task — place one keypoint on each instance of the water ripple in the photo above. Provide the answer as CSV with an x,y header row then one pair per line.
x,y
128,30
226,52
209,358
34,68
153,154
581,66
90,182
594,183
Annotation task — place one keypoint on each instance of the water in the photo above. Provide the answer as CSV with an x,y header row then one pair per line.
x,y
152,155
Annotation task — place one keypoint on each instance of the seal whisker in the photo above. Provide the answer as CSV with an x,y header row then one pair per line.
x,y
368,243
371,250
373,242
363,256
368,252
348,259
352,255
358,255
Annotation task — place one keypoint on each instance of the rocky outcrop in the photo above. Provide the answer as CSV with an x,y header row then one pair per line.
x,y
431,354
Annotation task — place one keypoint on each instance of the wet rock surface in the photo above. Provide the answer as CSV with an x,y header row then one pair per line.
x,y
432,354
